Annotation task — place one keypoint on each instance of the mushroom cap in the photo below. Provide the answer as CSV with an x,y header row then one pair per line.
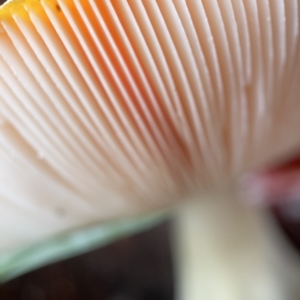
x,y
110,109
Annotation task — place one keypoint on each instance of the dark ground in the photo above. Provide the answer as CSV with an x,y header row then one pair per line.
x,y
136,268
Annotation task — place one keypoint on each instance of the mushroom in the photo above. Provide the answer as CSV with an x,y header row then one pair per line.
x,y
114,109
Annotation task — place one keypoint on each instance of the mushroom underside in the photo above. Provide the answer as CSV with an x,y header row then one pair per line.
x,y
111,109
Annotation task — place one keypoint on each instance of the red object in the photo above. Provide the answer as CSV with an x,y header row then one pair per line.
x,y
274,186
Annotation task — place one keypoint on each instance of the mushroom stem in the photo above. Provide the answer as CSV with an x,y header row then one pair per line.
x,y
226,250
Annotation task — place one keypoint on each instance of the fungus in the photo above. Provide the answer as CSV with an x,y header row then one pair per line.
x,y
113,109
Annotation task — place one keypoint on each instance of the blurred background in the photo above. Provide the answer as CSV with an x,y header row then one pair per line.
x,y
135,268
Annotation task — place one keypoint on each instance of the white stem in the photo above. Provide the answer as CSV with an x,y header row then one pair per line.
x,y
225,250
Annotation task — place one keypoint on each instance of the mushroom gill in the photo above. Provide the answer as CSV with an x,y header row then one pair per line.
x,y
110,109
